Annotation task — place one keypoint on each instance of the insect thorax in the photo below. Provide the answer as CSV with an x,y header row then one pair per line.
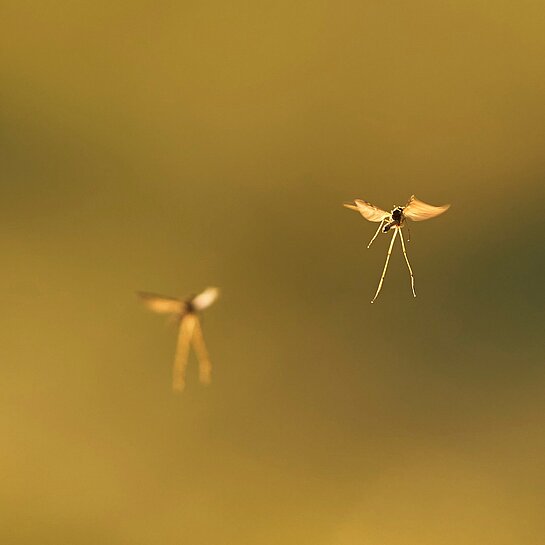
x,y
397,214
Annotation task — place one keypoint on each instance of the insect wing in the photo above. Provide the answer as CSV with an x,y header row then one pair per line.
x,y
367,210
161,304
205,299
417,210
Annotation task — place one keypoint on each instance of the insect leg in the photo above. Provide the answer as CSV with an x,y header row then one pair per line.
x,y
409,231
385,265
407,260
205,367
376,234
187,327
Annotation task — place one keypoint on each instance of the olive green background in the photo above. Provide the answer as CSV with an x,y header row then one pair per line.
x,y
167,146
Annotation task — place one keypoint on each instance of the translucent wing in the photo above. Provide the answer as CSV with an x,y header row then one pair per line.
x,y
205,366
367,210
419,211
162,304
205,299
187,328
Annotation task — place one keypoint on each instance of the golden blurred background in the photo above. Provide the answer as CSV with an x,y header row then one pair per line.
x,y
167,146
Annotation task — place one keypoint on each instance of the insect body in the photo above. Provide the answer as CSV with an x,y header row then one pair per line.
x,y
414,210
396,217
186,312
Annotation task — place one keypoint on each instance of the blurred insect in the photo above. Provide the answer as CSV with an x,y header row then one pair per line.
x,y
414,210
190,332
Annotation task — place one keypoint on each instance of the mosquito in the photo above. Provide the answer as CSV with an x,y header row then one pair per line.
x,y
185,311
414,210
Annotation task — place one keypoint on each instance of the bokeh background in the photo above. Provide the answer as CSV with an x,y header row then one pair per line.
x,y
167,146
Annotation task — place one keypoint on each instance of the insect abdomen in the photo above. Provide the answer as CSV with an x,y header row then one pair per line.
x,y
388,226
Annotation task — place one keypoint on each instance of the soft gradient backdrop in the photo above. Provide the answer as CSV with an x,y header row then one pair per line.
x,y
167,146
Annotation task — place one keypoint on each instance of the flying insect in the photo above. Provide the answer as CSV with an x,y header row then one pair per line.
x,y
414,210
185,312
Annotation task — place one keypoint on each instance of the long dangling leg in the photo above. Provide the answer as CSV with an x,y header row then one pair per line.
x,y
385,265
376,234
187,327
407,260
205,367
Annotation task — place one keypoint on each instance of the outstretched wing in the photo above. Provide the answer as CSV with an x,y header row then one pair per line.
x,y
368,211
205,299
162,304
419,211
